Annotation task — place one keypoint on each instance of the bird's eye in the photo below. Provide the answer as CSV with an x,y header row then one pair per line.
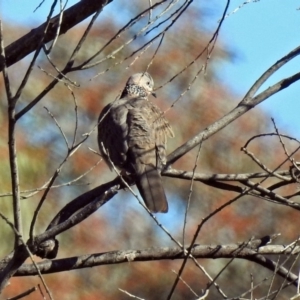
x,y
148,82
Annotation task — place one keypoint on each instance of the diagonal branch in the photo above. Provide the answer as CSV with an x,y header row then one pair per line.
x,y
265,76
72,16
79,209
244,106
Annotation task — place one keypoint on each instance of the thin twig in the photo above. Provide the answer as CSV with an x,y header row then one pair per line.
x,y
87,63
264,167
13,162
285,150
186,284
24,294
130,295
76,117
60,17
150,11
20,238
63,78
33,192
60,75
190,195
180,11
35,56
250,290
59,127
240,6
41,291
83,38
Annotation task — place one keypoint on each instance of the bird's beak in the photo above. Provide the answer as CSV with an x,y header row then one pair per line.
x,y
153,94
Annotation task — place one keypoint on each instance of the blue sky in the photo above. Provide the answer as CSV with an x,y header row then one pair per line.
x,y
259,33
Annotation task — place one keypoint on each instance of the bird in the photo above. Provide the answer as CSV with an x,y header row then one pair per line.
x,y
132,136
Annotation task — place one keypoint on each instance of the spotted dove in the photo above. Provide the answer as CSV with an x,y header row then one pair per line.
x,y
132,136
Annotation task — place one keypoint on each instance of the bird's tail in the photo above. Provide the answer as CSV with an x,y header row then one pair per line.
x,y
150,186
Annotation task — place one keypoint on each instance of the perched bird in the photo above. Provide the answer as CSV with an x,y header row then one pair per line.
x,y
132,135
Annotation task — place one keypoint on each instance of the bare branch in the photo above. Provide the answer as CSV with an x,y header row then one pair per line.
x,y
15,259
40,96
266,75
244,106
24,294
37,52
86,203
155,253
14,172
72,16
189,197
182,174
60,17
88,64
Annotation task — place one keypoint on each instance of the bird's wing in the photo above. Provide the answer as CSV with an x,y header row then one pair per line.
x,y
148,131
141,134
147,134
112,133
162,130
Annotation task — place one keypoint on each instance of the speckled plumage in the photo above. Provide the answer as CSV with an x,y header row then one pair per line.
x,y
132,133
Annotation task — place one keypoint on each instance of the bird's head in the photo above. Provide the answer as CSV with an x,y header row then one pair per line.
x,y
141,83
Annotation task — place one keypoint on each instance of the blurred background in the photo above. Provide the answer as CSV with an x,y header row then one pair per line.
x,y
255,34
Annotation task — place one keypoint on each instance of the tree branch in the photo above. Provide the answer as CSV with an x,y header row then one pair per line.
x,y
182,174
265,76
72,16
252,251
78,210
14,171
244,106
